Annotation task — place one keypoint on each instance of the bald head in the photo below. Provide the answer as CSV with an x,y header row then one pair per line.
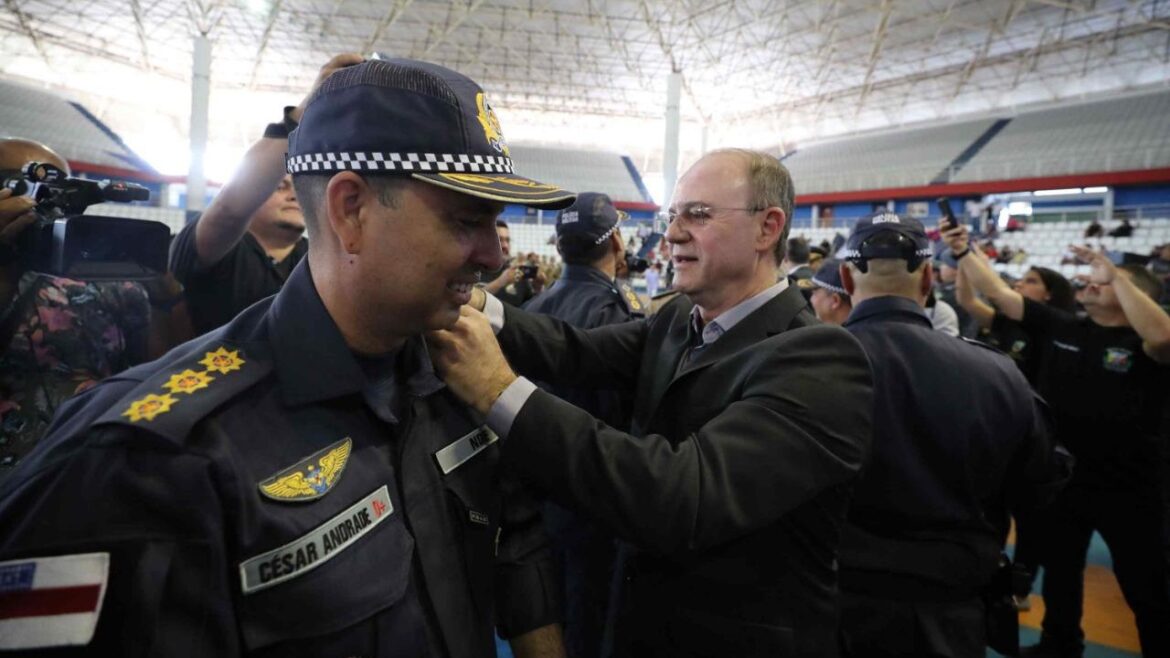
x,y
15,153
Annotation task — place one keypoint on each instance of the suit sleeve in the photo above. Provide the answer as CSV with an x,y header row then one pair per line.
x,y
801,424
550,350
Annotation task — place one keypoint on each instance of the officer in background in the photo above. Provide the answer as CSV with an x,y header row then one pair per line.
x,y
959,441
587,296
300,482
829,299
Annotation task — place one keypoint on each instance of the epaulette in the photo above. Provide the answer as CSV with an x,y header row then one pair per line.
x,y
180,393
661,299
630,298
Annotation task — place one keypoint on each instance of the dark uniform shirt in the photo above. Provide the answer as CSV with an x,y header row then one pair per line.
x,y
261,491
1010,337
1109,398
586,298
243,276
959,438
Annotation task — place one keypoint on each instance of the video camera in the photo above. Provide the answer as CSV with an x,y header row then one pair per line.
x,y
64,242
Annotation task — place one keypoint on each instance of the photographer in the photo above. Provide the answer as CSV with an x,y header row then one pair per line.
x,y
245,245
59,336
518,280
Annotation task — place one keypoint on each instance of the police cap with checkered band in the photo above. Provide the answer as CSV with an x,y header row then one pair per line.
x,y
412,118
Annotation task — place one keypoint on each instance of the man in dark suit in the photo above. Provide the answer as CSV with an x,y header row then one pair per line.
x,y
751,422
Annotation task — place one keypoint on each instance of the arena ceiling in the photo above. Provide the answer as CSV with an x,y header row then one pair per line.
x,y
594,72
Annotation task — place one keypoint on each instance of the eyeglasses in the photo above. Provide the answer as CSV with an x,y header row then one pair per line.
x,y
698,213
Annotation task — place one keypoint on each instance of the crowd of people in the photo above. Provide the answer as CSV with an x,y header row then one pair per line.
x,y
348,421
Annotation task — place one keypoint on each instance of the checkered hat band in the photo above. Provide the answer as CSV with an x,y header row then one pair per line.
x,y
399,162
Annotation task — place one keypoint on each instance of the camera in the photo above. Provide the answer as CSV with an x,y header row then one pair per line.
x,y
529,271
64,242
949,221
635,263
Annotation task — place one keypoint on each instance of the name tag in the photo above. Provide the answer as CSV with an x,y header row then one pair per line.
x,y
320,545
454,455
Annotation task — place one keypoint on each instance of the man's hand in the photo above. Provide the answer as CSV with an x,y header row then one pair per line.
x,y
958,239
338,62
1102,271
470,360
16,214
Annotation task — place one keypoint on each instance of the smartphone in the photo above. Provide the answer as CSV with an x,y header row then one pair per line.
x,y
949,221
529,271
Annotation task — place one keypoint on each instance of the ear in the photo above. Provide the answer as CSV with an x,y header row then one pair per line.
x,y
772,228
927,283
345,196
847,279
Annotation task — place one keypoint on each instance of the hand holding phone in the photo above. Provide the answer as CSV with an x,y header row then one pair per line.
x,y
949,221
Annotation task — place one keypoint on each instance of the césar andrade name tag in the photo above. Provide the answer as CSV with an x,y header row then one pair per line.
x,y
320,545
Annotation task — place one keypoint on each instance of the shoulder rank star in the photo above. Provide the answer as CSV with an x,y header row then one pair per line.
x,y
149,407
310,478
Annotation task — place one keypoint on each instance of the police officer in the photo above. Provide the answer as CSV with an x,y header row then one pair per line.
x,y
1107,377
586,296
829,299
959,440
299,482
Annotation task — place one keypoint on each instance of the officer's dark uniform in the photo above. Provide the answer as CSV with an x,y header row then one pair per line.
x,y
586,297
959,439
258,491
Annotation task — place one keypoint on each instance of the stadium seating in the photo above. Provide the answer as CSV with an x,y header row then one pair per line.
x,y
891,159
44,117
1112,135
592,171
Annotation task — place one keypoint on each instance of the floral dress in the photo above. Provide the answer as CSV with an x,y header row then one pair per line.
x,y
61,337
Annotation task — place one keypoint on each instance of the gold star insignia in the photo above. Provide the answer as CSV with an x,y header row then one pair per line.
x,y
150,406
223,361
188,381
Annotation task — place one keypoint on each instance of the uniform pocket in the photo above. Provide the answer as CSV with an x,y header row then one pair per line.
x,y
340,573
472,497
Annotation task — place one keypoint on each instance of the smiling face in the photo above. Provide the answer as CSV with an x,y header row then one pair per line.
x,y
421,256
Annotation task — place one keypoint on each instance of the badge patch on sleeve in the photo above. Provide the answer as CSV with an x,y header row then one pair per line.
x,y
454,455
320,545
51,601
310,478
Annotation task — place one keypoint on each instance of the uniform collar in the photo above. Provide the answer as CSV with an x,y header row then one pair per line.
x,y
888,307
586,273
310,356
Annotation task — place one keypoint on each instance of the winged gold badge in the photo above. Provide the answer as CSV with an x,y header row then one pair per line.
x,y
310,478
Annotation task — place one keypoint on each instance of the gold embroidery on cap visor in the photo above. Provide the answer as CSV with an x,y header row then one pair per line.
x,y
491,124
310,478
500,185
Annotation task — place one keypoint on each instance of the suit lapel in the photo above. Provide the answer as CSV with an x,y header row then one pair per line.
x,y
667,356
768,320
